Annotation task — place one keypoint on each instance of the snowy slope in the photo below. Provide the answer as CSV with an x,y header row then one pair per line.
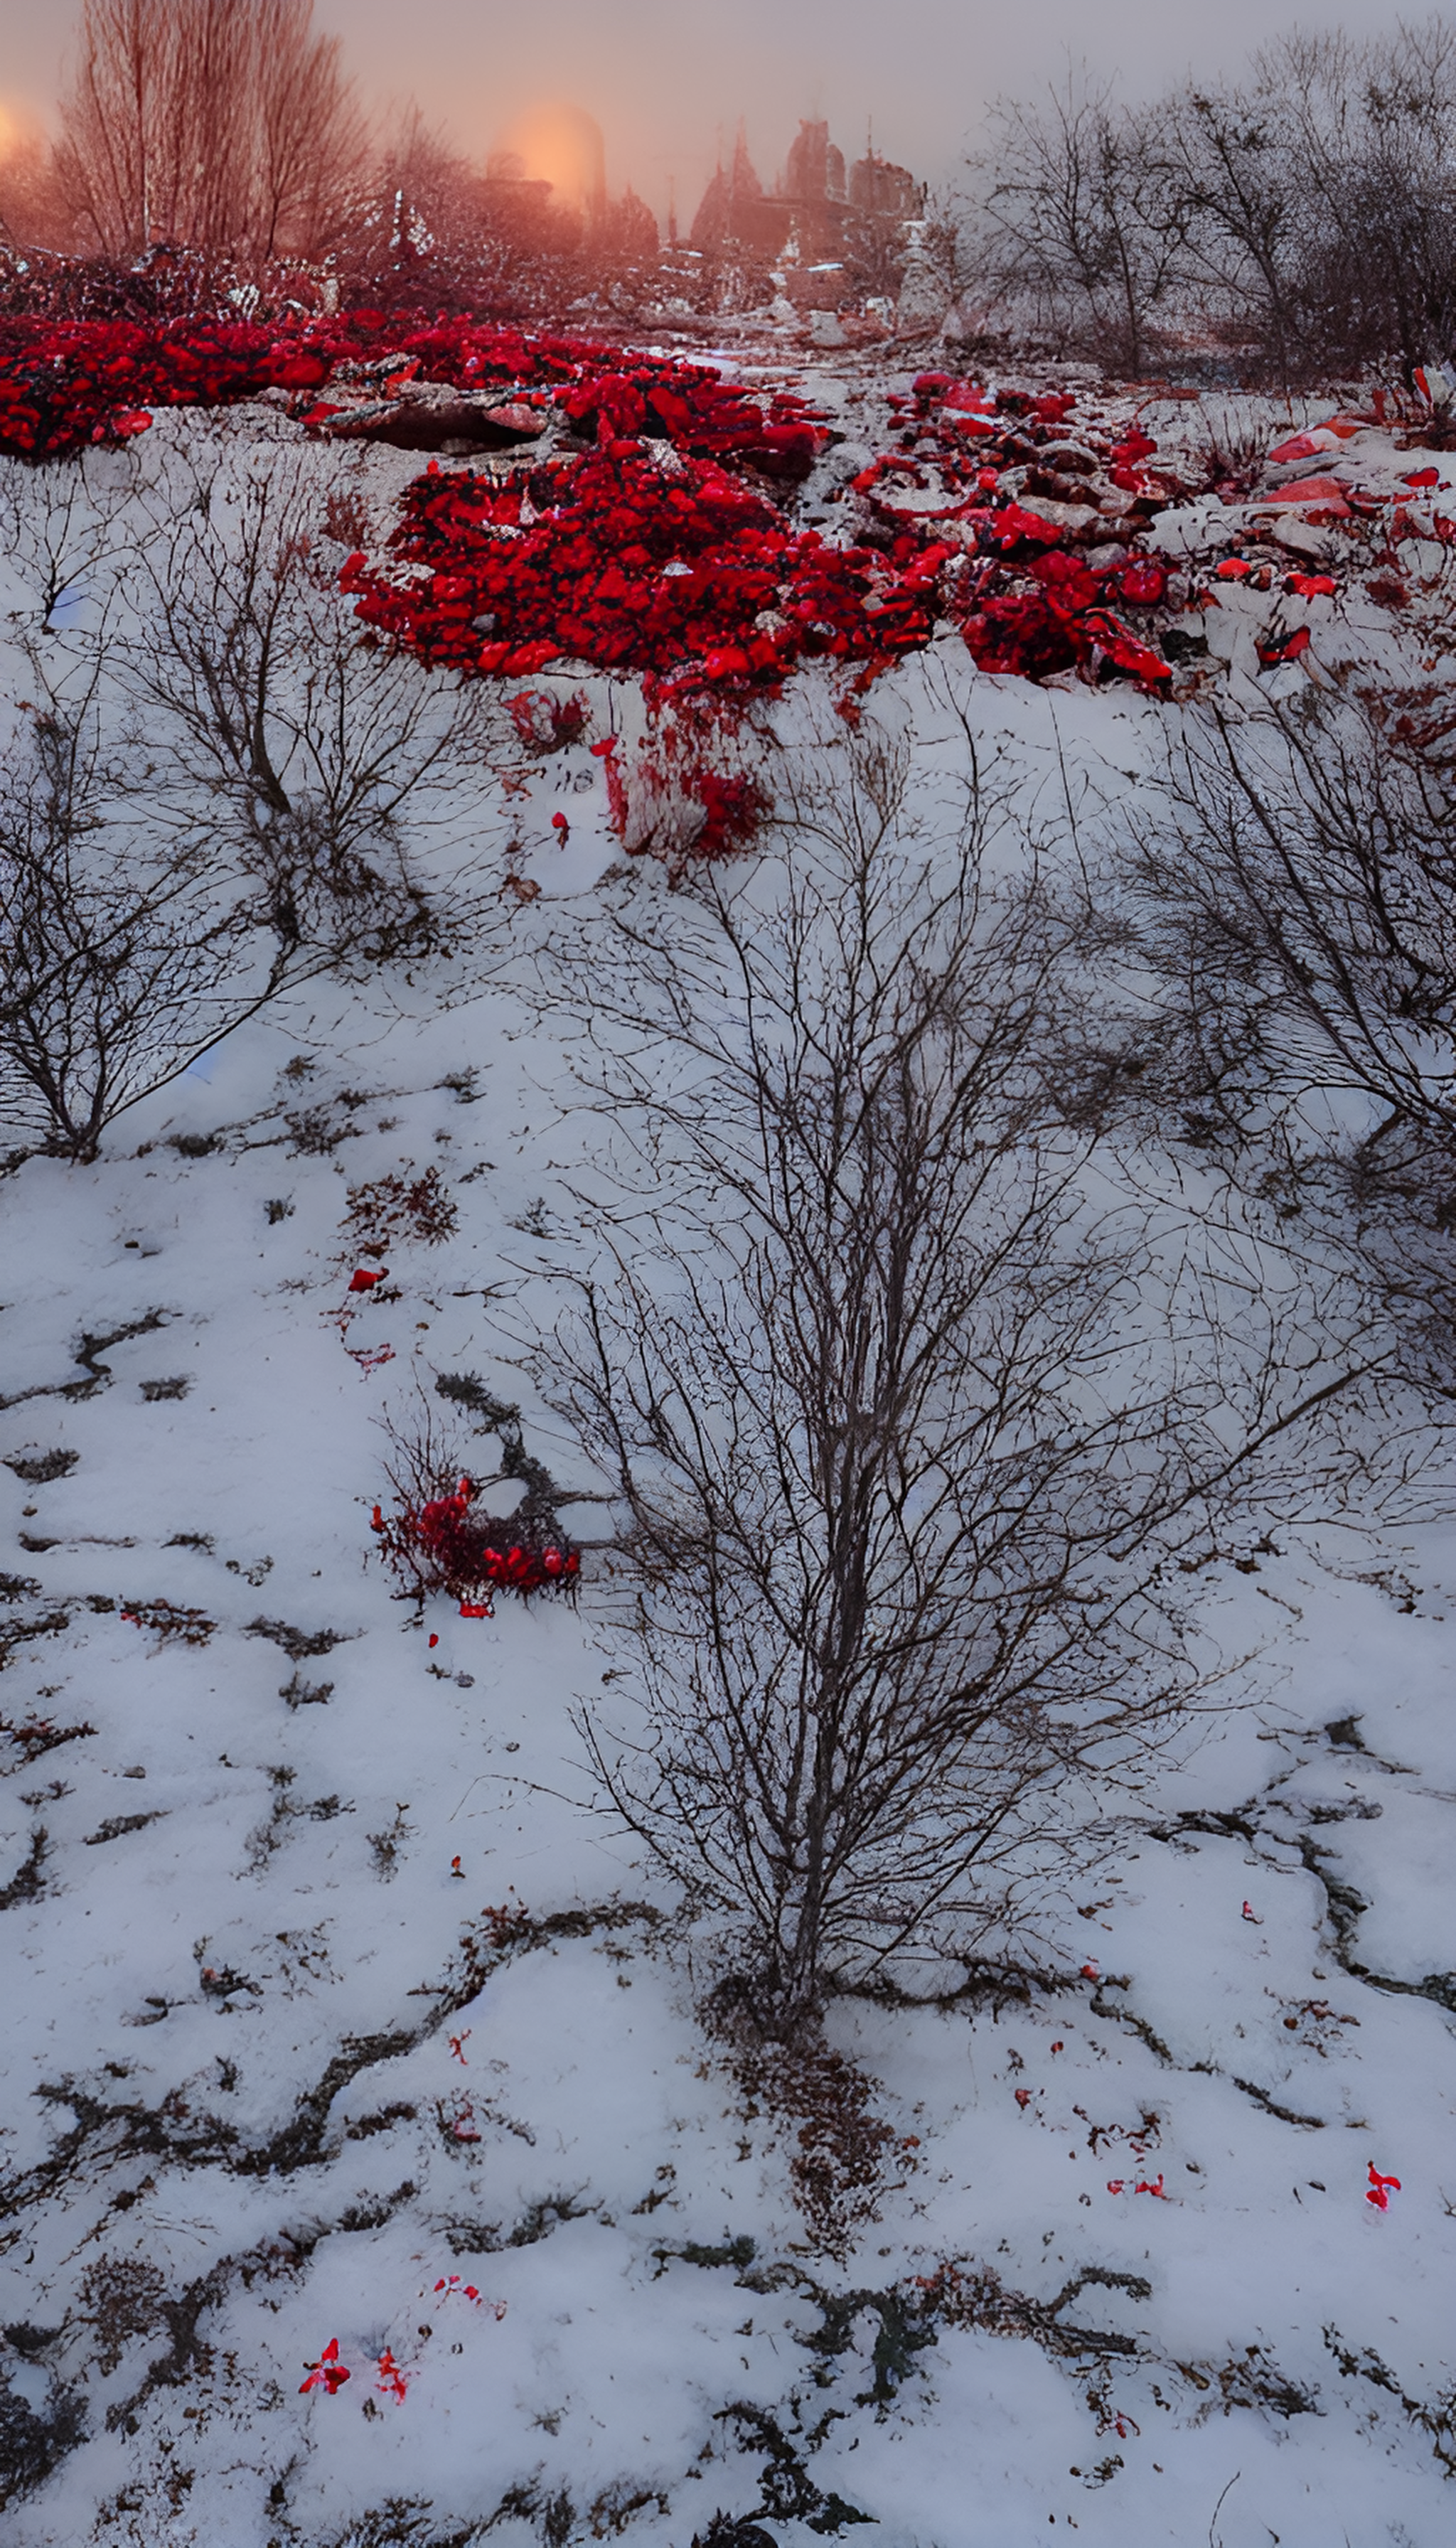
x,y
276,2075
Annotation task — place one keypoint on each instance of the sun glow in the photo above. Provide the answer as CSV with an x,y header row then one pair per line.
x,y
561,143
18,129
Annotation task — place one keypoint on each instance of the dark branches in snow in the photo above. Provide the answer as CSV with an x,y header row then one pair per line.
x,y
120,961
907,1415
219,796
311,747
1298,898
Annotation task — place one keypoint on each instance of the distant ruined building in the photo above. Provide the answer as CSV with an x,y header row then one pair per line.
x,y
833,236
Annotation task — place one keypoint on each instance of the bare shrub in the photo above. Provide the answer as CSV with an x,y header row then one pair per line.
x,y
1300,881
394,1207
1298,900
121,960
906,1420
311,745
211,803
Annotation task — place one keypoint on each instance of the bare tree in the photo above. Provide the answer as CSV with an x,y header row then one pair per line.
x,y
907,1422
311,142
1298,911
224,125
310,746
1300,886
1373,149
1306,212
1082,212
122,960
222,793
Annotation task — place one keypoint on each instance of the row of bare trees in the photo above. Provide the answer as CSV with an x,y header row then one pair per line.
x,y
226,124
1298,221
221,146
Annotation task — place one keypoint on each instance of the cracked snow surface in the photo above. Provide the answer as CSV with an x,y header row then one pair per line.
x,y
333,2014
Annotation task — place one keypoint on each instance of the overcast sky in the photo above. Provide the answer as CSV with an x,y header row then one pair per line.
x,y
664,78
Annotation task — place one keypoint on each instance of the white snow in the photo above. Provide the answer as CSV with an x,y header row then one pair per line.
x,y
299,1850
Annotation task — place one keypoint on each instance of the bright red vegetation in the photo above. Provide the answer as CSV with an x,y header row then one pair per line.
x,y
64,383
326,2373
659,545
682,572
441,1548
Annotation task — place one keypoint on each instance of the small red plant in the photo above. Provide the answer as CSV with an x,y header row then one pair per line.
x,y
326,2373
459,2042
392,2381
1380,2189
450,2285
441,1546
549,724
365,1278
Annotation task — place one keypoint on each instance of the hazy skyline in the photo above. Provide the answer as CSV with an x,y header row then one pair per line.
x,y
667,78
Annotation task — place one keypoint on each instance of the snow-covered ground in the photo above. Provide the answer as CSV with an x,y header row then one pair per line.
x,y
334,2014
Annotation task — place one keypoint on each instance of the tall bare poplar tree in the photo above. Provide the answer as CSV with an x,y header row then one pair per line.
x,y
226,124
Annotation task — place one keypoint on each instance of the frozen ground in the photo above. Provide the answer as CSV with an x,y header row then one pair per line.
x,y
276,2075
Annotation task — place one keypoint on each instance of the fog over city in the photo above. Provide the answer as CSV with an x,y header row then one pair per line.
x,y
668,83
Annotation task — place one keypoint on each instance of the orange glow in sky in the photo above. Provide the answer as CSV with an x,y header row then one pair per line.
x,y
562,143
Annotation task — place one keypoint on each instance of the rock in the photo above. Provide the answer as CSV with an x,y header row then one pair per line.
x,y
825,329
1073,521
447,423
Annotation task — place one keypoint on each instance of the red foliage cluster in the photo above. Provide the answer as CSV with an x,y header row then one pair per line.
x,y
439,1548
682,570
77,381
682,573
662,550
64,383
1025,601
674,799
689,406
